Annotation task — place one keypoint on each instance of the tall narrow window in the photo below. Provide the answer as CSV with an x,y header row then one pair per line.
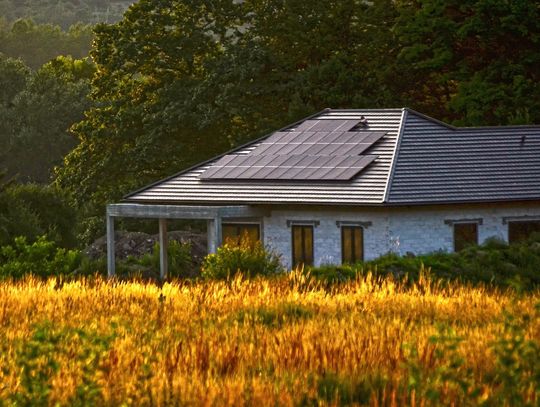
x,y
232,233
465,234
518,231
352,244
302,245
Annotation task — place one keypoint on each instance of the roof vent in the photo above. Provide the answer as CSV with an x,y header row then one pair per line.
x,y
362,124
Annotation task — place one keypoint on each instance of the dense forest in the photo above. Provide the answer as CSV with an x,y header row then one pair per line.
x,y
193,78
64,13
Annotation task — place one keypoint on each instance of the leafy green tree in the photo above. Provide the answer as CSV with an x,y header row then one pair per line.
x,y
474,62
38,111
34,210
36,44
64,13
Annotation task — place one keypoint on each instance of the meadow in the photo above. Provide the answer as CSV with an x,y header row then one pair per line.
x,y
287,340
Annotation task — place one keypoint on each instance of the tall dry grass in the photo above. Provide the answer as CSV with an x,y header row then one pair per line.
x,y
282,341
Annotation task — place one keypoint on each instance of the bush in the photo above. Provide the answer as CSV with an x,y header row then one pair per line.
x,y
34,210
179,260
248,258
41,258
495,262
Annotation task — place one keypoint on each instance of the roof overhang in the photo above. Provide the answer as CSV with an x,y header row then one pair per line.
x,y
150,211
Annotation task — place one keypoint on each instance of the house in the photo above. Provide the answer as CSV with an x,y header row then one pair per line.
x,y
350,185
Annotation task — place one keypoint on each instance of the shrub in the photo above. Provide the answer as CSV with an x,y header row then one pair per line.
x,y
41,258
33,210
495,262
179,260
247,257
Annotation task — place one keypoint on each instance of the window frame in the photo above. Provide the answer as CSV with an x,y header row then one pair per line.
x,y
512,222
240,225
467,244
303,226
353,228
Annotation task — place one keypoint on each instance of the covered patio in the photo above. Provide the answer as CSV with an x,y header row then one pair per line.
x,y
214,215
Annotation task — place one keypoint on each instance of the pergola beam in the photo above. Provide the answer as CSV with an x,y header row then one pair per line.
x,y
182,212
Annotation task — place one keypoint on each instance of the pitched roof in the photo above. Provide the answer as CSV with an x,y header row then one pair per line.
x,y
418,160
367,188
438,163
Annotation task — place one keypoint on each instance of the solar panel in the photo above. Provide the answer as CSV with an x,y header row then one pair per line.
x,y
297,168
315,143
323,150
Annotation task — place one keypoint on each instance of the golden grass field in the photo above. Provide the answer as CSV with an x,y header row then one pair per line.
x,y
283,341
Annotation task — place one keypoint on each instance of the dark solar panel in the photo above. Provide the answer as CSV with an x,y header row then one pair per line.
x,y
290,168
315,150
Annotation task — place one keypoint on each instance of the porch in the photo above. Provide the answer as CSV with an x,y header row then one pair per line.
x,y
214,215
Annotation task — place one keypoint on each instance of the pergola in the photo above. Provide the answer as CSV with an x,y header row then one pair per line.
x,y
212,214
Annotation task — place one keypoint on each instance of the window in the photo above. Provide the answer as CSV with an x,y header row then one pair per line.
x,y
302,245
465,234
352,244
233,232
518,231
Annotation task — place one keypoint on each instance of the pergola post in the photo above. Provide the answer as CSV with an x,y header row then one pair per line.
x,y
163,244
217,223
111,266
210,232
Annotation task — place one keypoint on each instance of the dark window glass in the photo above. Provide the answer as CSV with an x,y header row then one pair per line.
x,y
302,245
465,234
352,244
232,233
519,231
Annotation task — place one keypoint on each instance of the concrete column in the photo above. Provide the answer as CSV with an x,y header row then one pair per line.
x,y
111,266
210,233
163,244
218,237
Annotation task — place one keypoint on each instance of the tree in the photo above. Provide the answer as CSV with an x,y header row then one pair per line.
x,y
34,210
473,62
41,108
37,44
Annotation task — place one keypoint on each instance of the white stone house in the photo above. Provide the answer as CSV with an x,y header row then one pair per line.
x,y
351,185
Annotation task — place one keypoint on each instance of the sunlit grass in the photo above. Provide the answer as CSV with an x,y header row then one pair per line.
x,y
282,341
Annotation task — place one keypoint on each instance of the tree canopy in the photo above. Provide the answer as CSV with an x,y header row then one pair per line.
x,y
36,113
472,62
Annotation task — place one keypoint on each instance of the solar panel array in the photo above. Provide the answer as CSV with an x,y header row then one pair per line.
x,y
325,150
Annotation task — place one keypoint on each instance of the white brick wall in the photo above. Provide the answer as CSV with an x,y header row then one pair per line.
x,y
413,229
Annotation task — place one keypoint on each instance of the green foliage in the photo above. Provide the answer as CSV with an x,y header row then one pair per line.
x,y
39,359
37,112
34,210
495,262
441,370
517,362
37,44
285,313
474,62
64,12
41,258
247,258
179,260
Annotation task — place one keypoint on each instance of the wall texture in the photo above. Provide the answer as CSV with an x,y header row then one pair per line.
x,y
401,230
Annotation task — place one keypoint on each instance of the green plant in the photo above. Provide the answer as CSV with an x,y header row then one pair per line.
x,y
178,256
517,368
41,258
248,258
41,357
